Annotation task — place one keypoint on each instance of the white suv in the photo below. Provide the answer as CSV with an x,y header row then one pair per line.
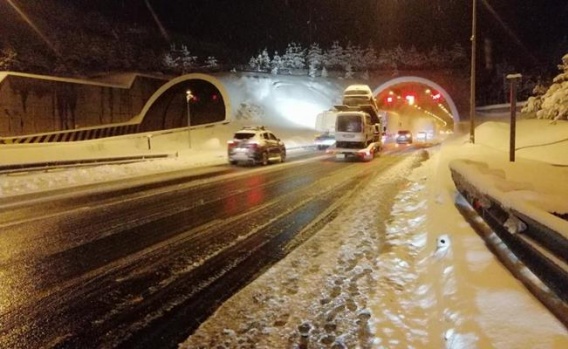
x,y
255,145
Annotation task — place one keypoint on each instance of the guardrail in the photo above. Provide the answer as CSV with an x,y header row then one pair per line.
x,y
541,249
51,165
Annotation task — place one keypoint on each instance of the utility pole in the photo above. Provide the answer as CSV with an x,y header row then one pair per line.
x,y
514,79
472,77
188,97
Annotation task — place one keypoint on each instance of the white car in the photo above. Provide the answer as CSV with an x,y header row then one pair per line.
x,y
255,145
355,95
324,140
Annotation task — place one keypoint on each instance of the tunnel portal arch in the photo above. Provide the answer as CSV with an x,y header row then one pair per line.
x,y
427,82
167,108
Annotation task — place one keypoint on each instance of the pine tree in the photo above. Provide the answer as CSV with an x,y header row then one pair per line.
x,y
294,57
353,56
298,57
414,59
188,62
370,58
287,57
348,71
8,59
253,63
457,55
390,59
314,56
169,62
435,58
398,55
334,57
276,63
553,104
211,63
265,60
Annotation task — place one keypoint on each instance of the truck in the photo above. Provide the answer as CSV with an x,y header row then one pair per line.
x,y
358,127
325,125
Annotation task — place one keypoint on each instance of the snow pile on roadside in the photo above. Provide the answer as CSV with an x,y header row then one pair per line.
x,y
32,182
346,287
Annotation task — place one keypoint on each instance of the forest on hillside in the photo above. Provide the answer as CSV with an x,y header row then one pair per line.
x,y
82,38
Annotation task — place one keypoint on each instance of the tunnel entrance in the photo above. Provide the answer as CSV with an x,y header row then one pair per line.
x,y
417,105
170,108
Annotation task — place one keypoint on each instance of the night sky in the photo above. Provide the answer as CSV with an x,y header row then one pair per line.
x,y
521,31
537,28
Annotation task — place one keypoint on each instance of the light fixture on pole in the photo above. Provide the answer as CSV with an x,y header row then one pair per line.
x,y
188,98
472,77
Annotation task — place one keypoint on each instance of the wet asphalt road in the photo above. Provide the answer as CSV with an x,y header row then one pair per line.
x,y
140,266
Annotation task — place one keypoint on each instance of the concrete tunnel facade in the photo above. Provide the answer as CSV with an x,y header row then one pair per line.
x,y
218,96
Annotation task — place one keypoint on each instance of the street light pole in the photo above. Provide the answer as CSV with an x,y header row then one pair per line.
x,y
188,97
513,79
472,77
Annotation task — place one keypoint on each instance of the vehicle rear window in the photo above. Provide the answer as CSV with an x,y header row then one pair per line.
x,y
349,123
243,135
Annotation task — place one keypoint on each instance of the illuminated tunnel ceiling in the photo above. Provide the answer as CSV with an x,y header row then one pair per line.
x,y
417,97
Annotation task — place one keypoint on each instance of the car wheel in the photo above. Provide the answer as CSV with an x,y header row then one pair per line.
x,y
282,156
232,162
264,159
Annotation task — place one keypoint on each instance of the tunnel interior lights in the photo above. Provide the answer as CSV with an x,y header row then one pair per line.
x,y
427,112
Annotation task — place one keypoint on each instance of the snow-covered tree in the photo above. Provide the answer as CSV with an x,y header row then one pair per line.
x,y
324,73
334,56
388,59
8,59
370,59
254,63
435,57
312,70
348,71
457,55
265,61
188,62
353,56
169,62
553,104
276,63
180,61
314,59
211,63
294,57
358,60
414,59
349,57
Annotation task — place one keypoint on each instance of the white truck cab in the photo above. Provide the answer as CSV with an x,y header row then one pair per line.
x,y
353,129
